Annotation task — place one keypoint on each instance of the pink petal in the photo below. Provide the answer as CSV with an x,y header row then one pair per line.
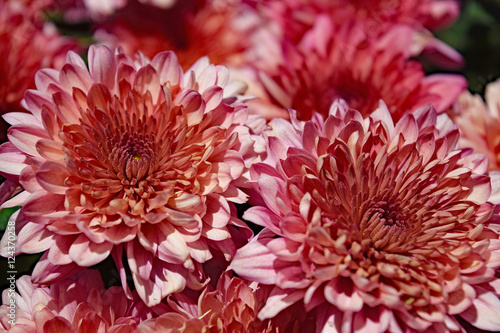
x,y
407,126
34,99
117,254
285,249
279,300
342,293
58,253
212,97
263,217
446,88
34,238
58,324
74,76
292,277
175,279
74,59
102,65
52,176
187,202
46,77
167,67
25,136
372,320
199,250
171,246
461,299
218,212
140,260
12,163
146,79
50,150
47,273
17,200
216,234
485,311
42,203
193,106
256,262
66,110
21,118
86,253
442,54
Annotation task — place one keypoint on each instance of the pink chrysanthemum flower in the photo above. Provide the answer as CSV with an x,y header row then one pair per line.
x,y
378,226
132,157
79,304
293,18
479,124
231,308
338,62
215,28
27,44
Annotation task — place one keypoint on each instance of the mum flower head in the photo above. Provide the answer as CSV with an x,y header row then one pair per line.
x,y
132,158
231,308
375,225
479,122
340,62
77,304
296,16
293,18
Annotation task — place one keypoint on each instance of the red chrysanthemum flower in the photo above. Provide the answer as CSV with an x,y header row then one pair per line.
x,y
379,227
75,305
339,62
27,44
132,158
192,29
479,123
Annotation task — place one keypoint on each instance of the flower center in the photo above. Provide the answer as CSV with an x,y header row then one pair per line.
x,y
132,158
386,226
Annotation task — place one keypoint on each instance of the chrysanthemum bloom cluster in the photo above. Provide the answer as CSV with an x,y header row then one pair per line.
x,y
294,18
231,308
27,44
336,61
78,304
131,158
378,226
218,29
479,123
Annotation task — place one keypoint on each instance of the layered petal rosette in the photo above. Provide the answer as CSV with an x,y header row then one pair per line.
x,y
479,122
132,158
378,226
231,308
78,304
339,61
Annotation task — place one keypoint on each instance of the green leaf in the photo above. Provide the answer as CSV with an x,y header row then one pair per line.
x,y
5,215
